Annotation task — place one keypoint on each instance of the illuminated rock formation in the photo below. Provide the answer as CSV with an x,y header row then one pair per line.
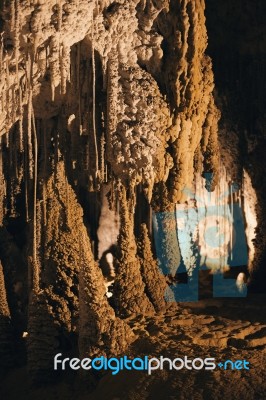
x,y
64,263
155,284
95,95
129,288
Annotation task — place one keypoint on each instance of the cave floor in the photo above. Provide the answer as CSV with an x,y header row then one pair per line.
x,y
220,328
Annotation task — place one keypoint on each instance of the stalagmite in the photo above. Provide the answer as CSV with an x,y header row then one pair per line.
x,y
129,288
153,279
167,244
100,332
42,342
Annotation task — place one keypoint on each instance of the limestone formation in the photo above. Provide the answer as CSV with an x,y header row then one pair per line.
x,y
95,95
42,340
129,288
155,284
66,266
100,331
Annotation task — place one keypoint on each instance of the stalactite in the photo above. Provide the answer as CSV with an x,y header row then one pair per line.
x,y
16,37
103,176
26,197
64,67
13,105
79,86
104,69
45,142
7,99
21,143
2,186
16,157
12,173
43,170
29,136
112,95
94,101
1,54
35,227
60,13
44,200
211,146
12,210
12,14
54,63
111,197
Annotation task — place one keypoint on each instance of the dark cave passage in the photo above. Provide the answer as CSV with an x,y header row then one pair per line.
x,y
239,63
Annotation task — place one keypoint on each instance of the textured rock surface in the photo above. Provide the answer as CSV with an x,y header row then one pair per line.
x,y
129,287
154,281
213,328
100,332
43,341
69,293
147,135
